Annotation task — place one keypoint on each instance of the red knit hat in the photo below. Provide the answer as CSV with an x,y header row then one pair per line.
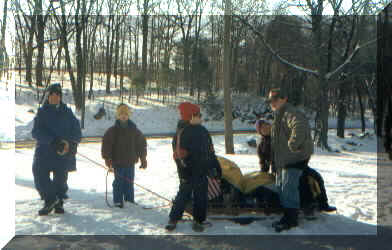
x,y
187,110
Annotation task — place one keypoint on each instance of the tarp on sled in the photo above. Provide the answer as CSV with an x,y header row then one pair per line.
x,y
246,183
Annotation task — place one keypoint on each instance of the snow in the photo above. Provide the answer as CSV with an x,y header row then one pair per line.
x,y
351,187
350,177
7,177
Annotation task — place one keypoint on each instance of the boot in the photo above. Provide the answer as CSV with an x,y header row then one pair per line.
x,y
289,220
171,225
197,226
59,209
119,205
48,207
326,207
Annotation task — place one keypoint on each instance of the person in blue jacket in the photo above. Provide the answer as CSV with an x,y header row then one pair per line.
x,y
57,132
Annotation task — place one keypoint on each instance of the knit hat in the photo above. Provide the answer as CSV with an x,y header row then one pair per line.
x,y
187,110
261,122
54,88
123,109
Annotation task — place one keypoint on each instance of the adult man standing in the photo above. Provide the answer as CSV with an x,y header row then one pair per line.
x,y
58,133
292,147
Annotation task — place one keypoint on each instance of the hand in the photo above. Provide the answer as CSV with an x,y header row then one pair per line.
x,y
143,164
108,163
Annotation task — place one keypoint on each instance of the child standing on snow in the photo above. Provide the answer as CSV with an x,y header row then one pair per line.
x,y
122,146
194,149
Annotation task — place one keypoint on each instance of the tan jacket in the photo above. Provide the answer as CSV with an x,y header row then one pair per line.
x,y
290,137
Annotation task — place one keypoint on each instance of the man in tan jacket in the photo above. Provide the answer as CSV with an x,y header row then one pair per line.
x,y
292,147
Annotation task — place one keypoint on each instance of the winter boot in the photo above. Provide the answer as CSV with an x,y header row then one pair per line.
x,y
289,220
171,225
325,207
197,226
119,205
49,206
59,209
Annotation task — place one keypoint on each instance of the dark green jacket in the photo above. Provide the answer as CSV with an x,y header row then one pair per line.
x,y
291,137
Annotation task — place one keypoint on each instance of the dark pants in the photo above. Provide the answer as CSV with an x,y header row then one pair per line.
x,y
51,189
306,194
123,184
199,188
57,178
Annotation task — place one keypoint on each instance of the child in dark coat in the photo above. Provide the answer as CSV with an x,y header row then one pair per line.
x,y
194,149
122,146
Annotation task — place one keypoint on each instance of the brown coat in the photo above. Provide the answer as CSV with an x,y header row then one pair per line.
x,y
124,146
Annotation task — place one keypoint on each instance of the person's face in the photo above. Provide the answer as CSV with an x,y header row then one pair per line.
x,y
265,129
54,98
123,116
277,103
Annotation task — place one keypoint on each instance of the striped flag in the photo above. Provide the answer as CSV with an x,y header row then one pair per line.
x,y
213,188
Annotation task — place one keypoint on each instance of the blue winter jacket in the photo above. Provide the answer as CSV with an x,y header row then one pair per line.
x,y
53,122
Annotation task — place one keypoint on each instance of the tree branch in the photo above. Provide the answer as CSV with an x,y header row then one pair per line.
x,y
348,60
271,50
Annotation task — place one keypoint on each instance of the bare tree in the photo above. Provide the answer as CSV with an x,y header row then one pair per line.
x,y
229,144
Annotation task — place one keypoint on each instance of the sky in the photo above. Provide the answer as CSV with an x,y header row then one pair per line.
x,y
271,3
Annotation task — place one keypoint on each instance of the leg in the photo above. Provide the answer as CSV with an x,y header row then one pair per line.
x,y
117,194
46,185
290,199
129,194
200,198
36,179
60,177
179,203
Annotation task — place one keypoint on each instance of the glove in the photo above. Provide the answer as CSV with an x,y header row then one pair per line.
x,y
143,164
73,148
61,146
108,163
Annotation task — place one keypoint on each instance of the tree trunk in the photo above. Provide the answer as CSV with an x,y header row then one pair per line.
x,y
229,144
362,109
342,110
144,45
29,57
40,45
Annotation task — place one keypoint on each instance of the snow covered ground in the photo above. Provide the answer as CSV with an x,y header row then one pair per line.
x,y
350,178
7,177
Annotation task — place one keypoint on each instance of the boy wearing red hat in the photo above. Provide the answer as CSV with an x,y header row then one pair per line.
x,y
194,148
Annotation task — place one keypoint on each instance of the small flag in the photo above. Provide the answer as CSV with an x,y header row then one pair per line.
x,y
213,188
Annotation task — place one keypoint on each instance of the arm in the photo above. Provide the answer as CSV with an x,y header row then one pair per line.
x,y
76,132
298,126
40,132
107,144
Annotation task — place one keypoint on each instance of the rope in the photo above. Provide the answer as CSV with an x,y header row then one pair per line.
x,y
106,191
127,179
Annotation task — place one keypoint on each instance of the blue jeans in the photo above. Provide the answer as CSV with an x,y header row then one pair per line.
x,y
287,186
123,183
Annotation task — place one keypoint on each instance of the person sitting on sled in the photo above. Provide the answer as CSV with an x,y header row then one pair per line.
x,y
122,146
195,152
263,128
